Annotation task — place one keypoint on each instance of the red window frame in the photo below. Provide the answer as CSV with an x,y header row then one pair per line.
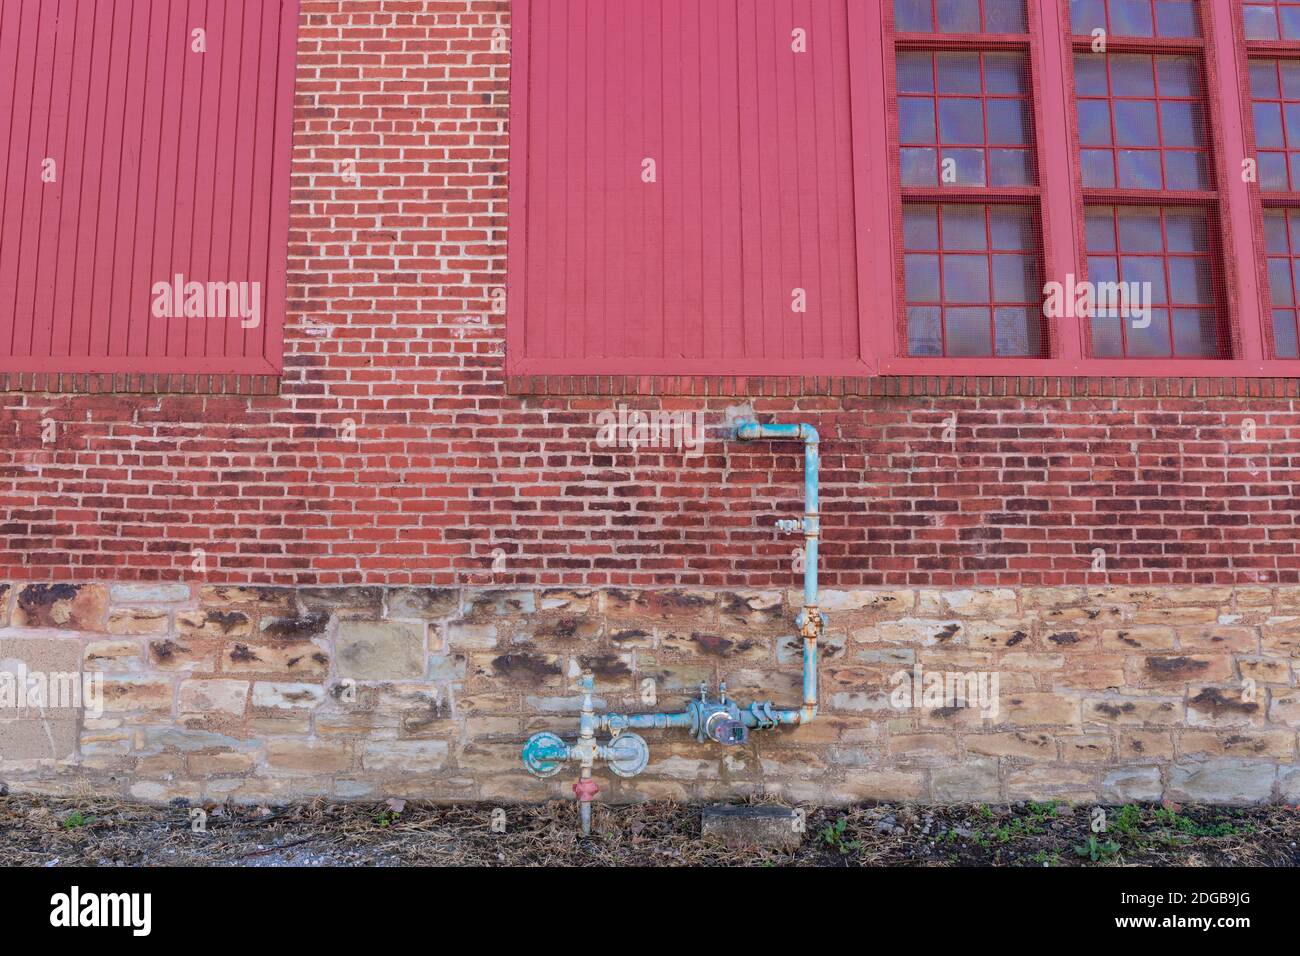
x,y
1050,46
1262,199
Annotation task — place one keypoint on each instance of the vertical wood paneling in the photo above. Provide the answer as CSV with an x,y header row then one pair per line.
x,y
169,161
754,194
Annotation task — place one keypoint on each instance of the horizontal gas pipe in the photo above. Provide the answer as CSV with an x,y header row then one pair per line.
x,y
626,753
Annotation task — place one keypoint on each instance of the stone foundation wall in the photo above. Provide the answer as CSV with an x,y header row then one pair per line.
x,y
271,694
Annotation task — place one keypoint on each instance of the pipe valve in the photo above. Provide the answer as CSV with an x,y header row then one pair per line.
x,y
789,525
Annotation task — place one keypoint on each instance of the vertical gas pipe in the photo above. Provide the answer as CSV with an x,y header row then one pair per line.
x,y
720,719
811,622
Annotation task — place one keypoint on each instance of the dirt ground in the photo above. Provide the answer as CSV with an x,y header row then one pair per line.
x,y
96,832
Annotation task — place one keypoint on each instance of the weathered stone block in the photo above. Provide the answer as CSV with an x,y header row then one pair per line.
x,y
213,697
69,607
405,756
150,593
1222,781
380,650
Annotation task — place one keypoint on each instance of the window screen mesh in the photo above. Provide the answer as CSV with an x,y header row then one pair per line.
x,y
1272,21
1167,19
1142,122
973,282
960,16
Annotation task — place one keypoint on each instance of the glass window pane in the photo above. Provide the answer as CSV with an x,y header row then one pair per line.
x,y
915,120
1017,332
1131,18
1189,281
1275,231
1098,168
915,73
967,166
1005,16
912,16
1005,73
920,226
1008,121
1186,170
1106,338
1268,126
924,331
1140,229
1182,124
1094,123
1263,79
958,72
1285,341
1135,123
1015,279
1196,334
1090,75
1132,74
1185,230
1100,225
960,120
1087,15
957,16
970,332
964,228
1177,18
1280,282
1261,22
1149,338
1013,227
1010,167
1139,169
921,278
1179,76
919,167
965,278
1272,171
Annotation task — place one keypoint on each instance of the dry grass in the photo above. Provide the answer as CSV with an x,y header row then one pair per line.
x,y
98,832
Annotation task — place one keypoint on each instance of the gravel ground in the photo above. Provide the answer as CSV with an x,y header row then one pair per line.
x,y
95,832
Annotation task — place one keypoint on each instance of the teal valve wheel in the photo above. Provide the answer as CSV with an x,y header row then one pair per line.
x,y
628,754
544,754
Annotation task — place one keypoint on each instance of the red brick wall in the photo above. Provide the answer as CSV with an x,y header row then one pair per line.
x,y
391,328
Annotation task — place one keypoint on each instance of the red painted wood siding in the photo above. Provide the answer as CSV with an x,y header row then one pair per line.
x,y
167,161
697,271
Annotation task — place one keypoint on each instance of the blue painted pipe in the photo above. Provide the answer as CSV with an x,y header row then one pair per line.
x,y
545,752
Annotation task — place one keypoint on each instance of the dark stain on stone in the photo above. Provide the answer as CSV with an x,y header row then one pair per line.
x,y
1093,614
1213,700
242,655
1175,666
712,644
226,620
1112,710
633,634
1255,746
606,666
44,595
343,597
1064,638
1123,638
1137,746
165,650
947,633
524,666
943,713
1016,638
293,662
565,629
320,659
290,629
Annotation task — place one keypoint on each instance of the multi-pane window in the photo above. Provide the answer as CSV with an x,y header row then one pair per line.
x,y
1152,277
1141,122
1272,20
967,164
964,119
973,280
1149,190
1136,18
959,16
1275,98
1282,241
1273,45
